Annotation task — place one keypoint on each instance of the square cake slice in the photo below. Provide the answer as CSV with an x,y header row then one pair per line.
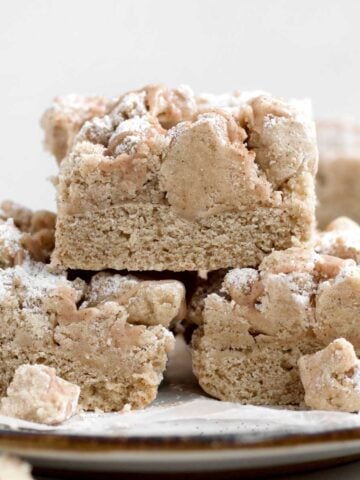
x,y
108,335
255,326
172,181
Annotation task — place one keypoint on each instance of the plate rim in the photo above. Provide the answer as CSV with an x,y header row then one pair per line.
x,y
102,443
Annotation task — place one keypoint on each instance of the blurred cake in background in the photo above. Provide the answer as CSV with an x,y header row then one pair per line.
x,y
338,180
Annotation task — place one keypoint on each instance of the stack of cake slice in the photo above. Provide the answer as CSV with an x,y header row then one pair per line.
x,y
161,184
163,180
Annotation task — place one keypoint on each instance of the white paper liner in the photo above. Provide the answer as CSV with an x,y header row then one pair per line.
x,y
186,411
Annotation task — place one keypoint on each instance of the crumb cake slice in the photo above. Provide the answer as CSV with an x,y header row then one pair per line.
x,y
255,326
108,336
337,182
172,181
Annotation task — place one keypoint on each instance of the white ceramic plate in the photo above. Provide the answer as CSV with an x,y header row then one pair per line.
x,y
185,431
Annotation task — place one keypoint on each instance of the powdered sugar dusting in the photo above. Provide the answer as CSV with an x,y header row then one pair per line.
x,y
128,145
6,282
133,104
37,282
105,285
240,278
97,130
343,244
9,235
300,284
271,121
218,122
33,279
135,124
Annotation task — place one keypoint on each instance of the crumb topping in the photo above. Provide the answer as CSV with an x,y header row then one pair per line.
x,y
296,292
185,147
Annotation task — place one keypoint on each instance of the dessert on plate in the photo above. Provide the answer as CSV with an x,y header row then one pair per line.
x,y
154,186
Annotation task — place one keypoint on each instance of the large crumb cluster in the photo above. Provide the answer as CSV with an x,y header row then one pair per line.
x,y
331,378
38,395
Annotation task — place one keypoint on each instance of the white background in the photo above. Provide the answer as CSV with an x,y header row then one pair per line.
x,y
291,48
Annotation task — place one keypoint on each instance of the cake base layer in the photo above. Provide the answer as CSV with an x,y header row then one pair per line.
x,y
151,237
265,374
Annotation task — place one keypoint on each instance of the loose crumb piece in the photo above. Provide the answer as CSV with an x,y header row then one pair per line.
x,y
331,377
12,468
36,394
